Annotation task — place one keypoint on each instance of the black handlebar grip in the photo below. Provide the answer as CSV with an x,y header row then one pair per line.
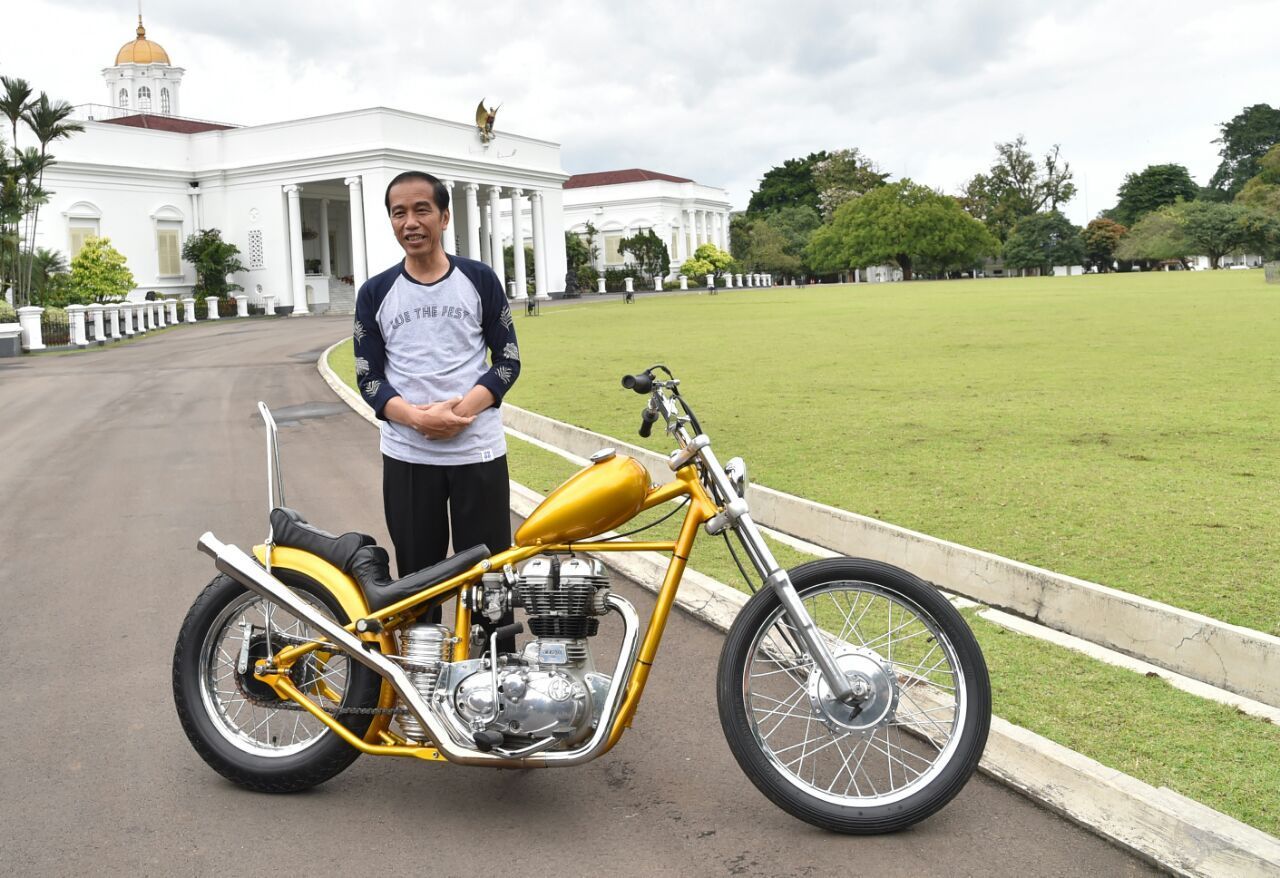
x,y
642,383
646,423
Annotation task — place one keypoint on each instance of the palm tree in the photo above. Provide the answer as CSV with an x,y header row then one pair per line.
x,y
47,263
14,100
25,172
48,121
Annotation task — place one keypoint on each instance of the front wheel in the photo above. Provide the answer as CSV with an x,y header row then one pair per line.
x,y
910,741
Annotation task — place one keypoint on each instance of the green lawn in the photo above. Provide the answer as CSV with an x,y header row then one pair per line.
x,y
1141,726
1120,428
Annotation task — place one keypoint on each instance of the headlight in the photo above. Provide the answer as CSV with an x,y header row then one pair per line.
x,y
736,470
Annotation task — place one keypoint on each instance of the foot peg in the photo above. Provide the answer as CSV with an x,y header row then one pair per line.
x,y
487,739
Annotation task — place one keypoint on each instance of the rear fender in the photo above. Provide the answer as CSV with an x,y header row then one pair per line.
x,y
349,596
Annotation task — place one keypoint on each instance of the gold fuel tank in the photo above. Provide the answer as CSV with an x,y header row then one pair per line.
x,y
596,499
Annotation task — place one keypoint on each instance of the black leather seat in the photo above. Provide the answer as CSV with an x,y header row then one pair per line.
x,y
366,562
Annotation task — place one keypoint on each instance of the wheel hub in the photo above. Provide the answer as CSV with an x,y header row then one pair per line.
x,y
875,691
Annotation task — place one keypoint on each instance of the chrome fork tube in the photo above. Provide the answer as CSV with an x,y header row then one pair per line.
x,y
777,579
233,561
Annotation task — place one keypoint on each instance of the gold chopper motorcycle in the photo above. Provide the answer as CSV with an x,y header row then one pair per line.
x,y
851,693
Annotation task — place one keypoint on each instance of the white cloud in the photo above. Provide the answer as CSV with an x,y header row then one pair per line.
x,y
716,91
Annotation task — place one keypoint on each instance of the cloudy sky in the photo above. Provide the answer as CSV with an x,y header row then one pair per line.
x,y
716,91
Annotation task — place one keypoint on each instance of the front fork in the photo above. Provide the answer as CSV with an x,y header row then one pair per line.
x,y
738,516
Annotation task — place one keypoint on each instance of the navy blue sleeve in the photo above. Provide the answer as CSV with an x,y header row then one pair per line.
x,y
370,347
498,328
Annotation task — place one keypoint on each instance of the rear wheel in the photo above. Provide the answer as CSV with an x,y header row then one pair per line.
x,y
914,736
237,723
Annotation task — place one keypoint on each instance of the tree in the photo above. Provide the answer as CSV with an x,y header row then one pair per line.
x,y
776,240
1218,229
769,250
99,272
48,121
1158,236
213,259
651,255
903,223
1262,193
1153,187
842,175
1245,139
579,259
1101,238
790,183
1018,186
1044,240
707,259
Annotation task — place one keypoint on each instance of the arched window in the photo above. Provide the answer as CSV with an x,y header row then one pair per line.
x,y
124,97
144,98
164,101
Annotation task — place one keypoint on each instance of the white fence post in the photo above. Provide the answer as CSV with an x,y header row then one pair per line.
x,y
684,282
211,303
29,320
172,305
76,313
269,303
113,313
242,306
189,310
599,285
99,332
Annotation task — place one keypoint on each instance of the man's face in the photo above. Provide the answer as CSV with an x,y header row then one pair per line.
x,y
419,225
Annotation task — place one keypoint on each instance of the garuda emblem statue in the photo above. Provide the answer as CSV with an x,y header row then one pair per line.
x,y
484,121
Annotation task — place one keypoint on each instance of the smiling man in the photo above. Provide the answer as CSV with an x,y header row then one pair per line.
x,y
421,332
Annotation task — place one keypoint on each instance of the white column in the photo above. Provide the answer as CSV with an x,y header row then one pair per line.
x,y
113,317
600,285
211,306
126,318
99,332
711,281
657,284
172,305
728,281
700,221
269,305
189,310
473,221
297,278
29,320
486,230
539,247
692,241
517,244
684,282
242,306
359,250
146,316
76,313
157,308
325,257
450,239
497,263
724,232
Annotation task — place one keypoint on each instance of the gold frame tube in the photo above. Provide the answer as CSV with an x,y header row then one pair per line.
x,y
701,509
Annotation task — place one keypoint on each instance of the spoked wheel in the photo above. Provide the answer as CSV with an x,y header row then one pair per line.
x,y
917,728
237,723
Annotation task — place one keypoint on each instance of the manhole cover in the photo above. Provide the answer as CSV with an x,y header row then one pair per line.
x,y
292,415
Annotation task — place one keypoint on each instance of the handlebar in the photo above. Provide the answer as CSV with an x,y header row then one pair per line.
x,y
646,422
641,383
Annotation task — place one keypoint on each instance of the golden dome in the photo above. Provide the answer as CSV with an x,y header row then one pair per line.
x,y
142,50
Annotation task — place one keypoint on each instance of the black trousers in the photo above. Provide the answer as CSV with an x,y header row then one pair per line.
x,y
427,506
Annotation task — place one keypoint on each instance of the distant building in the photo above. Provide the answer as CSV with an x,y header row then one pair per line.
x,y
619,204
301,199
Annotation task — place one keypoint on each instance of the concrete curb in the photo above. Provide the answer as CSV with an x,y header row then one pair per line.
x,y
1157,824
1228,656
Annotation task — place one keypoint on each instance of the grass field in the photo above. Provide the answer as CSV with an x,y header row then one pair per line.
x,y
1120,428
1017,415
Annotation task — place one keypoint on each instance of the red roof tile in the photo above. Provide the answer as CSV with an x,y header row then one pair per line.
x,y
167,123
612,178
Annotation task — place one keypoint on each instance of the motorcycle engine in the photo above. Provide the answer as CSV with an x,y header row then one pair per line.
x,y
550,688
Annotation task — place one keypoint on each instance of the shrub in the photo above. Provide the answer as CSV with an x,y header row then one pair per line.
x,y
7,314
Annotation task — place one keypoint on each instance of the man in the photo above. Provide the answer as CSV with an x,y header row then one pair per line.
x,y
421,331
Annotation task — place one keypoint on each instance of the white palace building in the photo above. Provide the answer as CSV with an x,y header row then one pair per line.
x,y
301,199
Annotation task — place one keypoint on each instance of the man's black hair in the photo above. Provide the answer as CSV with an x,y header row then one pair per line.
x,y
439,191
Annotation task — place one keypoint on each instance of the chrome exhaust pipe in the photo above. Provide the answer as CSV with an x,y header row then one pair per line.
x,y
245,570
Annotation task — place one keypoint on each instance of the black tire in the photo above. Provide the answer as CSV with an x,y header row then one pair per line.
x,y
760,655
319,758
